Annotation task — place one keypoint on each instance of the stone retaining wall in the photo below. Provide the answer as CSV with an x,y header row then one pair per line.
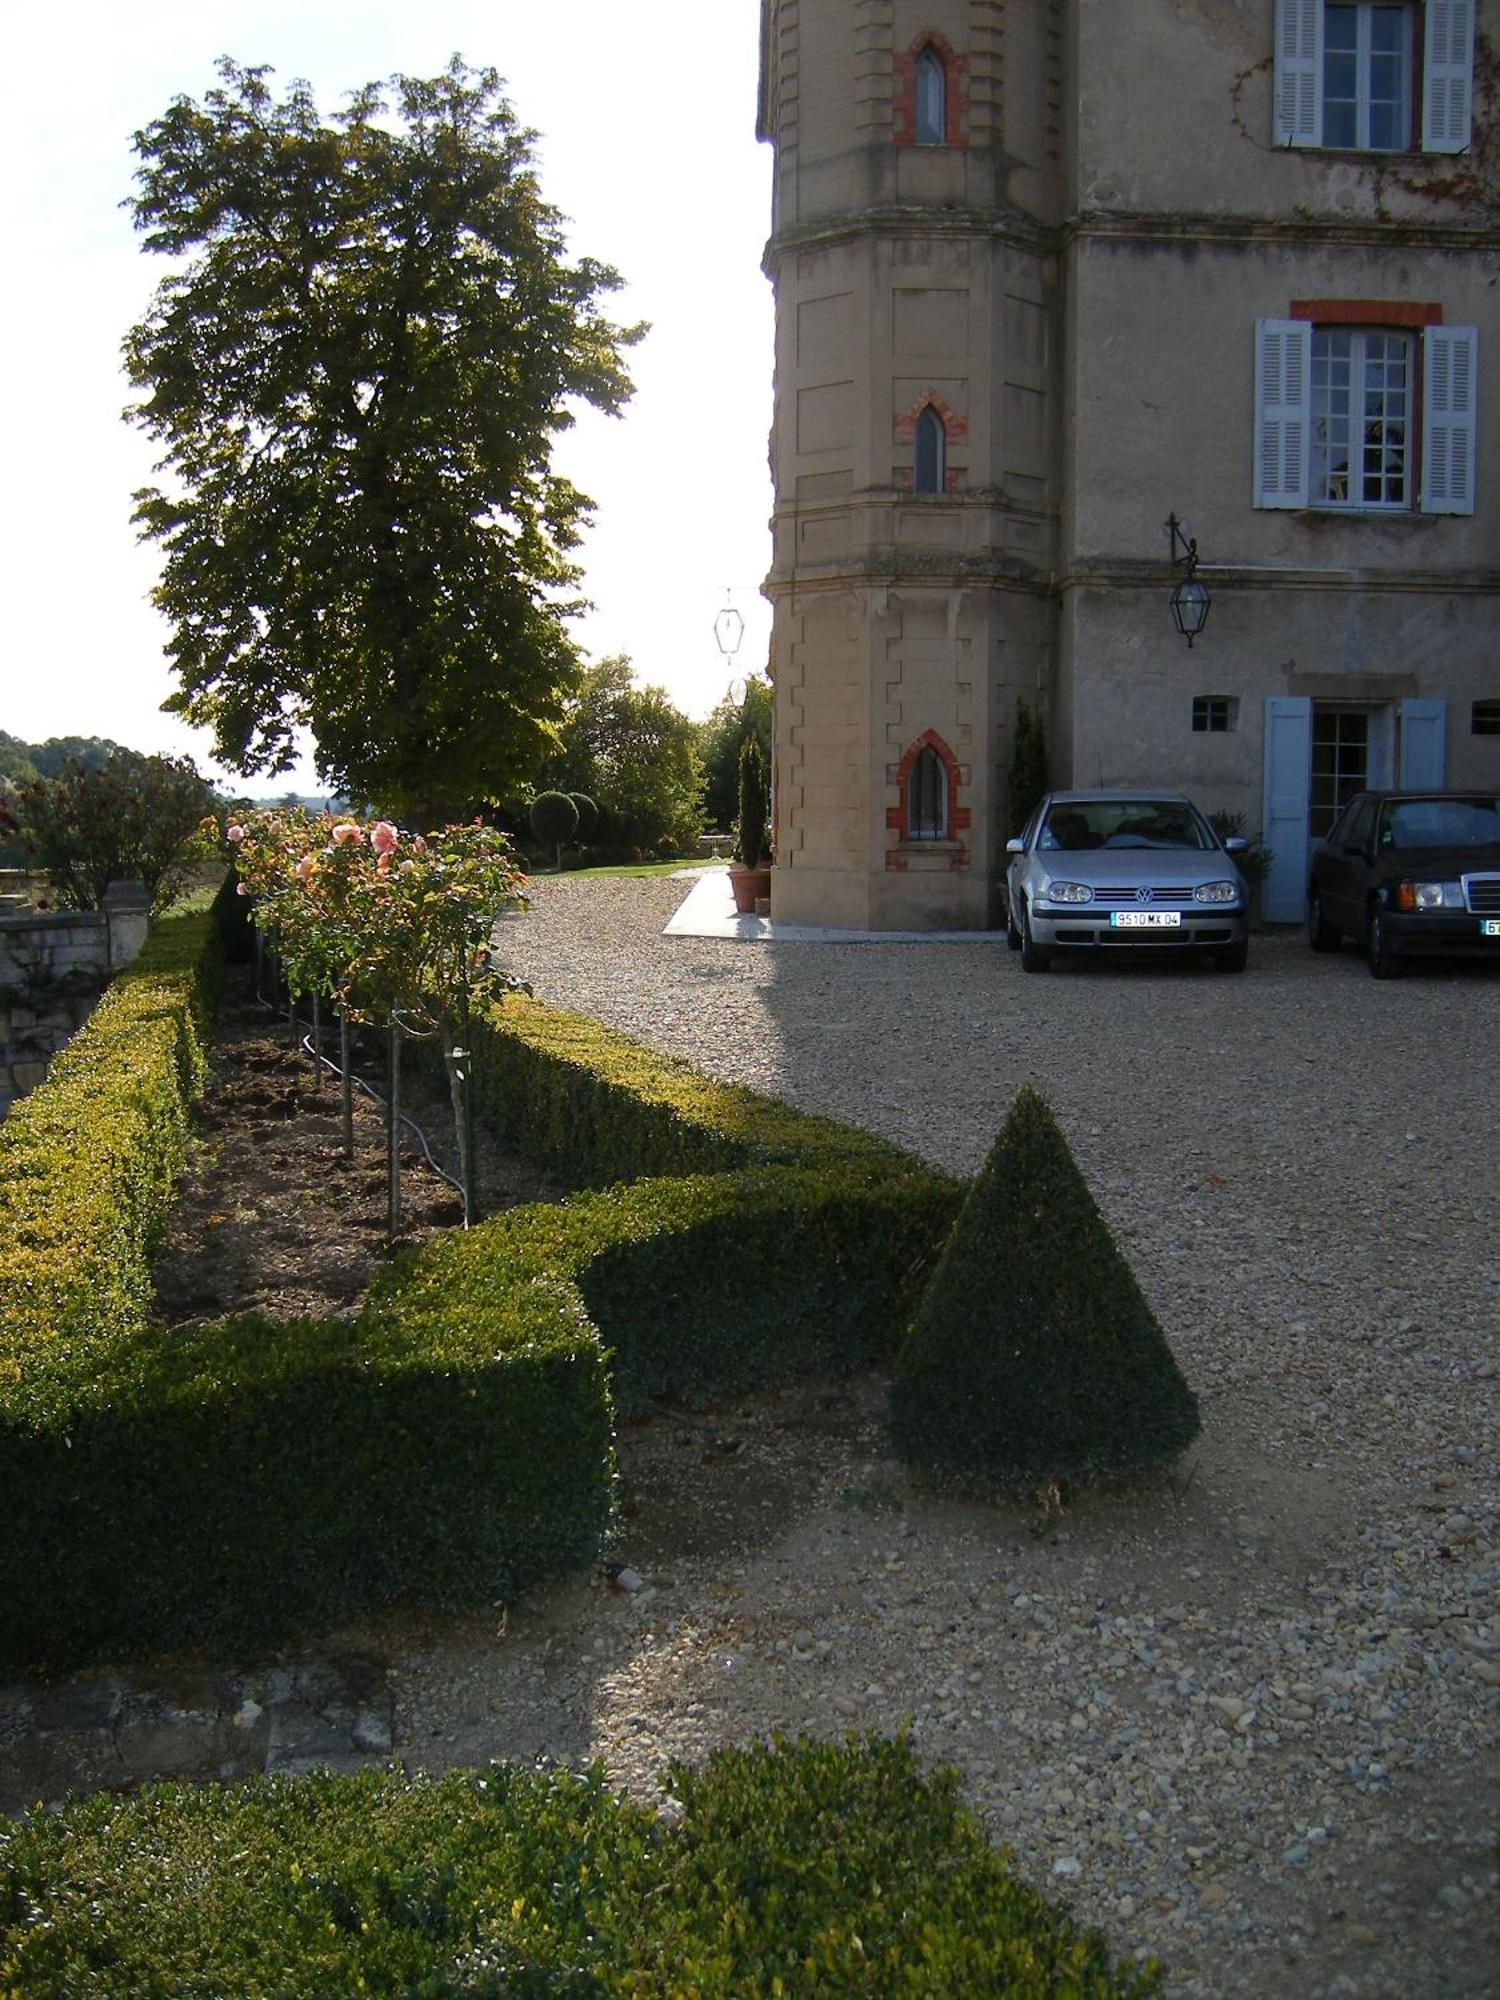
x,y
54,964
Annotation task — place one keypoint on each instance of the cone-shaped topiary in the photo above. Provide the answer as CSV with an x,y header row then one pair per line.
x,y
1034,1355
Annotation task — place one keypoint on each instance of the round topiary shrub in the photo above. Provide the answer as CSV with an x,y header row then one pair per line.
x,y
554,819
1034,1356
588,815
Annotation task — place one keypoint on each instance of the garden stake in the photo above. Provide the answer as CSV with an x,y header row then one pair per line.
x,y
317,1046
260,963
456,1061
393,1134
346,1084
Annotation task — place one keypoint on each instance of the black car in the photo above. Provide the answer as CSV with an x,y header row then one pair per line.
x,y
1409,873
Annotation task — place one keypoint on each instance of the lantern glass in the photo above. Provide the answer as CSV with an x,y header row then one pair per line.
x,y
1190,606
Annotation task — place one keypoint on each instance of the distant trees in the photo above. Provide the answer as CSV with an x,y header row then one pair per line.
x,y
131,818
719,741
635,755
370,337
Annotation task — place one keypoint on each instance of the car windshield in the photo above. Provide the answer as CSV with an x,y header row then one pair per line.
x,y
1077,824
1473,822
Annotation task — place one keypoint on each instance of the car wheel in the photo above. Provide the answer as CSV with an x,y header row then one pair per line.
x,y
1034,957
1234,957
1383,961
1321,935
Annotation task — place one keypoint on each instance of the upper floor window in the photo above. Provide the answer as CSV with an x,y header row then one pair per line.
x,y
929,467
1366,64
1344,71
1339,421
932,99
927,797
1484,718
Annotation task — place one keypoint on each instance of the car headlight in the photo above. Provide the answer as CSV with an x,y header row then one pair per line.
x,y
1217,892
1069,892
1430,896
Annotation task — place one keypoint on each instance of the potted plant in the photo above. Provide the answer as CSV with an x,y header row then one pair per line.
x,y
750,870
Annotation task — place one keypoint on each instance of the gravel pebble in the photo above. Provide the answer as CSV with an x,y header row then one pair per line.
x,y
1245,1720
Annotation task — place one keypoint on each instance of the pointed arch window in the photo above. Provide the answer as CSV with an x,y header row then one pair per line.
x,y
927,797
929,465
932,98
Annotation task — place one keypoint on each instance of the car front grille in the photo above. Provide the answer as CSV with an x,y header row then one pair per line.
x,y
1129,899
1482,893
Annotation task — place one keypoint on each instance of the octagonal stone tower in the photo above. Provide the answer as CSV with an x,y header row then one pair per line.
x,y
915,199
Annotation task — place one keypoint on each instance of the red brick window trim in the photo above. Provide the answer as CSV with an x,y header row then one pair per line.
x,y
956,90
898,816
1365,312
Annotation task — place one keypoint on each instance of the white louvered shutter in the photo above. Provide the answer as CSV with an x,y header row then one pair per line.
x,y
1298,117
1283,411
1448,76
1450,399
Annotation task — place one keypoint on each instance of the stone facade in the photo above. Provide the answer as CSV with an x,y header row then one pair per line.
x,y
1012,339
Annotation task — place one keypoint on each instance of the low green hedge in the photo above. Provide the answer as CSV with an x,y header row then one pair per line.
x,y
89,1162
597,1107
228,1486
224,1488
812,1869
708,1285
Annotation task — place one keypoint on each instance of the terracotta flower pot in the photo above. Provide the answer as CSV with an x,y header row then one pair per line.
x,y
748,884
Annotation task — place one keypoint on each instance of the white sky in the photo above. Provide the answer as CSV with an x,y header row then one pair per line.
x,y
646,117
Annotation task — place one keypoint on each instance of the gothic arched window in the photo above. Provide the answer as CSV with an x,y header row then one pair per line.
x,y
932,99
929,464
927,797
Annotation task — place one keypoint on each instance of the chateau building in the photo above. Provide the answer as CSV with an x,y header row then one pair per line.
x,y
1049,273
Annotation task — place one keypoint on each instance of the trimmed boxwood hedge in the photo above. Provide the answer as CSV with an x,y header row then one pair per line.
x,y
89,1163
597,1107
229,1486
814,1869
1035,1355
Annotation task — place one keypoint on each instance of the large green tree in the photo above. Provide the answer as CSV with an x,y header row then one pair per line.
x,y
356,372
634,753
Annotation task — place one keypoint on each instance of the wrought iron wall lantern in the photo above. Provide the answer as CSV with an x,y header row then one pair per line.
x,y
1191,602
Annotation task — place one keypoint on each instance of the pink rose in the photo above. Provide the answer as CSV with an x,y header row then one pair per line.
x,y
383,837
234,833
420,844
240,889
307,867
383,865
347,834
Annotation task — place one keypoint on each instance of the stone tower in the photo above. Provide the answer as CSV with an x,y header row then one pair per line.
x,y
913,444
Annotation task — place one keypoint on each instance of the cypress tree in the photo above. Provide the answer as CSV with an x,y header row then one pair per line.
x,y
1034,1355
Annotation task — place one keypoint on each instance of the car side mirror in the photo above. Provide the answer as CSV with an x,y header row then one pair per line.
x,y
1015,845
1236,844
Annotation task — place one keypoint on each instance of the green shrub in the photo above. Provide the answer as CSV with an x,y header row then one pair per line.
x,y
554,819
1026,782
704,1286
1034,1355
752,827
814,1869
230,1486
89,1163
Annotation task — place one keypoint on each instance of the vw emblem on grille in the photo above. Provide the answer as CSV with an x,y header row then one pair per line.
x,y
1143,895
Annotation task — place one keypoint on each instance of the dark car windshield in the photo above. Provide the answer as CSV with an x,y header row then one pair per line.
x,y
1472,822
1073,825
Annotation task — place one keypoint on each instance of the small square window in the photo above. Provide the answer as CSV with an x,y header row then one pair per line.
x,y
1484,718
1217,714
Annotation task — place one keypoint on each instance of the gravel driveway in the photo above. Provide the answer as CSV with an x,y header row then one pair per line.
x,y
1246,1721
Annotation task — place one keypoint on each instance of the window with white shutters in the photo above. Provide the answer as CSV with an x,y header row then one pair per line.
x,y
1344,75
1338,423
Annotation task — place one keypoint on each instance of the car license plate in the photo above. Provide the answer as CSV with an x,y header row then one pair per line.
x,y
1490,927
1144,920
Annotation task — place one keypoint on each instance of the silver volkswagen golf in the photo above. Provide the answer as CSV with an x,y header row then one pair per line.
x,y
1109,869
